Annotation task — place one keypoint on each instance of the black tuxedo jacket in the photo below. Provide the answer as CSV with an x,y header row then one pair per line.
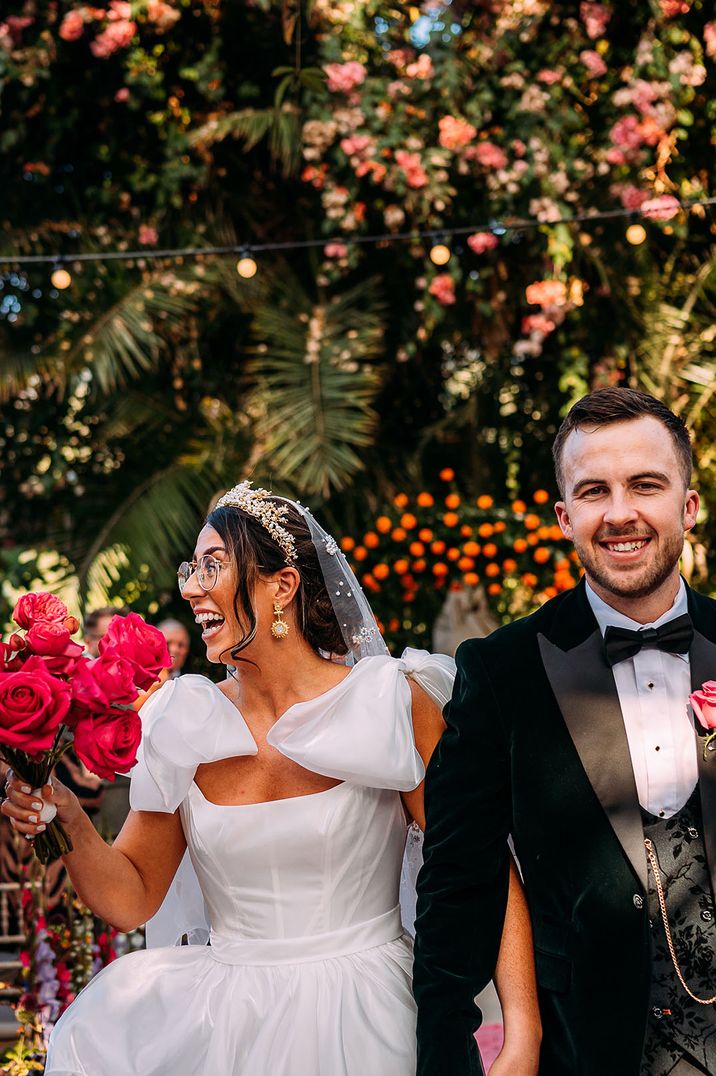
x,y
535,747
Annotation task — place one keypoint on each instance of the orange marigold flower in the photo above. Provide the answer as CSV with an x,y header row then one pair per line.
x,y
500,526
371,540
540,496
447,474
529,579
440,569
562,565
519,545
494,589
381,571
541,555
401,566
419,565
451,519
426,500
489,550
574,556
416,549
347,544
544,533
471,549
471,579
399,535
369,581
519,506
465,564
360,552
466,530
509,565
492,569
453,554
400,500
532,522
564,580
408,521
438,547
425,534
556,533
484,501
393,624
383,524
532,539
452,500
485,530
408,582
550,592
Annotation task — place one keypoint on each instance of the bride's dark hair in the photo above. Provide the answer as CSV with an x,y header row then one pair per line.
x,y
255,553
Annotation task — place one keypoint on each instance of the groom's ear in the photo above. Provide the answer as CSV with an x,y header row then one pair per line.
x,y
565,526
691,509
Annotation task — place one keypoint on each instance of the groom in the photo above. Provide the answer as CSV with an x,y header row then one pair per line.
x,y
570,732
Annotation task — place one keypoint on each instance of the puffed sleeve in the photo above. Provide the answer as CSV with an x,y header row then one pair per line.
x,y
187,722
361,730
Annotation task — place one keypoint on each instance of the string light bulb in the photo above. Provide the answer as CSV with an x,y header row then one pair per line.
x,y
246,267
61,278
440,254
636,234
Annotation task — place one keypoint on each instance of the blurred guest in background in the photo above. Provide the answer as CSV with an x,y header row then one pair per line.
x,y
177,637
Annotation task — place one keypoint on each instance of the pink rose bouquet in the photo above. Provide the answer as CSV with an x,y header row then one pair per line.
x,y
52,697
703,703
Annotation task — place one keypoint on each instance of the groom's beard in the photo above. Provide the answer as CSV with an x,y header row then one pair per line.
x,y
635,582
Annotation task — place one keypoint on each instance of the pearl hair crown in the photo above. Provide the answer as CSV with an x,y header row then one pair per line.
x,y
257,503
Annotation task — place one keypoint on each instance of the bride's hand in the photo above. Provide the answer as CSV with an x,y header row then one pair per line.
x,y
23,809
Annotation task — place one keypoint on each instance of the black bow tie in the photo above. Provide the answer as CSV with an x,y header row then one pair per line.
x,y
674,637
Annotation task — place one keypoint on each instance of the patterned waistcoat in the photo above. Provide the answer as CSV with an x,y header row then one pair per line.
x,y
677,1025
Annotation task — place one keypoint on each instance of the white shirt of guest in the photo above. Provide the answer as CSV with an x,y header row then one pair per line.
x,y
653,688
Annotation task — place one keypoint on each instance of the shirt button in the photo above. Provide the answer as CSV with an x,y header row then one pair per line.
x,y
661,814
650,685
638,900
693,833
707,916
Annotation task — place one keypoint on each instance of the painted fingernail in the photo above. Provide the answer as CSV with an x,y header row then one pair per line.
x,y
37,806
32,818
41,827
25,788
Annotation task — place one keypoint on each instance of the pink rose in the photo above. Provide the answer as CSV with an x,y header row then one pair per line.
x,y
39,605
671,8
115,678
595,18
703,702
488,155
593,62
344,78
335,250
118,35
143,646
662,208
107,743
443,288
538,323
631,197
710,39
122,95
10,659
548,76
52,642
455,133
415,174
481,242
355,144
33,705
546,293
72,26
148,235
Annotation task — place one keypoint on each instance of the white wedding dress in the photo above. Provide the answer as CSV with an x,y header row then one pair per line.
x,y
308,970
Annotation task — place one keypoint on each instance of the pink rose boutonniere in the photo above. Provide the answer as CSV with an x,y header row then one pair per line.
x,y
703,702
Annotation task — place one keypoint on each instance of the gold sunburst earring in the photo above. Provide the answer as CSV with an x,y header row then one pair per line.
x,y
279,628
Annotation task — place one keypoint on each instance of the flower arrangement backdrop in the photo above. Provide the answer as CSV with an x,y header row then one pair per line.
x,y
348,373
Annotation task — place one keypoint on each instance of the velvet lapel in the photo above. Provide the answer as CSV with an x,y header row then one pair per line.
x,y
702,657
584,687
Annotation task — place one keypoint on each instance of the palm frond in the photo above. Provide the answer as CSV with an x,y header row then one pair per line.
x,y
279,125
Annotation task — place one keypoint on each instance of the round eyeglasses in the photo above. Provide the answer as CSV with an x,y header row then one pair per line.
x,y
207,570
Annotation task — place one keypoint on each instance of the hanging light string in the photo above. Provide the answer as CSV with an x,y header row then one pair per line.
x,y
246,250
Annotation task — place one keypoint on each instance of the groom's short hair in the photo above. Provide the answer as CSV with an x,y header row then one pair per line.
x,y
604,406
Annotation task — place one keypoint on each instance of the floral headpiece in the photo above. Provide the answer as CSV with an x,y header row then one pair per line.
x,y
256,503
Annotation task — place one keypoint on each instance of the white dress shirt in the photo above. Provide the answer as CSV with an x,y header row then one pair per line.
x,y
653,688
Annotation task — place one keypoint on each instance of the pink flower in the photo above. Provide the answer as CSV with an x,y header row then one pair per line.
x,y
455,133
671,8
546,293
595,18
537,323
39,606
344,78
710,39
422,68
15,24
355,144
162,15
593,62
627,133
443,288
335,250
148,235
481,242
518,147
631,197
703,702
122,95
662,208
411,165
118,35
548,76
119,10
488,155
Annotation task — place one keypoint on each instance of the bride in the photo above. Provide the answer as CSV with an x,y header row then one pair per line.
x,y
269,817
